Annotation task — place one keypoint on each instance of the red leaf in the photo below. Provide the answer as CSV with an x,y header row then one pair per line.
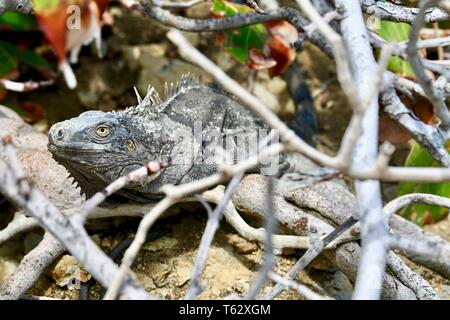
x,y
283,29
283,35
62,38
33,111
101,4
258,60
68,30
53,25
391,131
282,53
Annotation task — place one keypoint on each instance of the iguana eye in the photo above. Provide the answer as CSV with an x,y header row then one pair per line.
x,y
102,131
130,145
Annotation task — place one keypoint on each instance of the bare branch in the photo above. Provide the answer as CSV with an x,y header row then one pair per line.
x,y
17,188
290,15
408,199
419,285
315,248
269,257
402,227
19,224
373,251
24,86
207,237
30,268
435,96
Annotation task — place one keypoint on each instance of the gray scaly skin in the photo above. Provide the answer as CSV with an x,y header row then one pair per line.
x,y
97,147
23,6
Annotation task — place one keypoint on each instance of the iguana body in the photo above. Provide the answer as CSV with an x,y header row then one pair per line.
x,y
182,132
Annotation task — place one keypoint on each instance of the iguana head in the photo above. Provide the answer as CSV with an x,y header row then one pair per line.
x,y
98,147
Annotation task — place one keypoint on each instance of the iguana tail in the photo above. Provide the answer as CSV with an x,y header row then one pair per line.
x,y
304,123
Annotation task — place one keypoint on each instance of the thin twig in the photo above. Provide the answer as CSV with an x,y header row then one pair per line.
x,y
269,257
211,227
301,289
24,86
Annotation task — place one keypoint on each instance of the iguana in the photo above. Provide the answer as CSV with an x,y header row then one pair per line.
x,y
181,131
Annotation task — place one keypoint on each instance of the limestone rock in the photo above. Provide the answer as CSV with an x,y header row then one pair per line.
x,y
69,272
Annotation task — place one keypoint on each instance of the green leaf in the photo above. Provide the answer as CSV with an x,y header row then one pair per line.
x,y
400,66
34,60
18,21
423,213
238,41
396,32
8,58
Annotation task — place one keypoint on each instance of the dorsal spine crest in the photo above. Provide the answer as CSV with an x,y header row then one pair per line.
x,y
152,102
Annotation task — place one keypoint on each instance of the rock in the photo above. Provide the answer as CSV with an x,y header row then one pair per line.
x,y
160,276
69,272
96,238
44,172
242,245
322,263
146,281
157,71
11,253
275,94
193,37
107,243
199,11
7,267
263,94
224,60
135,56
134,29
154,68
183,272
101,84
164,243
6,112
240,287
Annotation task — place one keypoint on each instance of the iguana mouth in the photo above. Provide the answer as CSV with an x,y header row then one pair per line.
x,y
68,153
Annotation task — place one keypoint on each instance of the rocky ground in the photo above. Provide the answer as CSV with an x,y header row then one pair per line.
x,y
138,55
